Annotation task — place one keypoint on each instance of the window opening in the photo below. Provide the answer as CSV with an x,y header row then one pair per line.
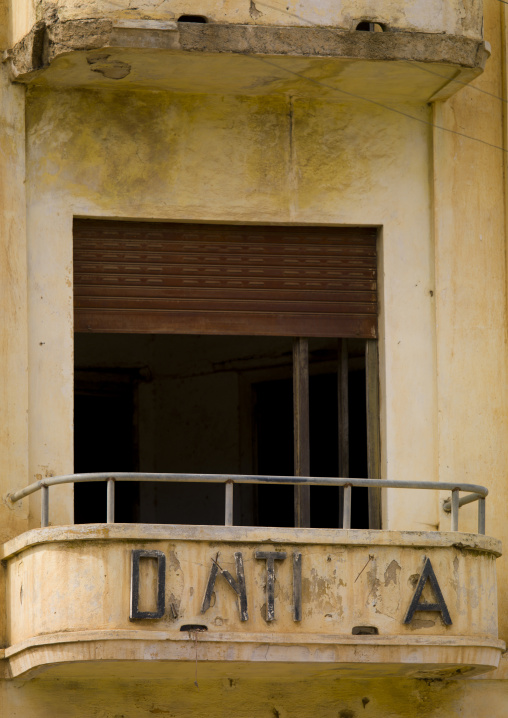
x,y
207,310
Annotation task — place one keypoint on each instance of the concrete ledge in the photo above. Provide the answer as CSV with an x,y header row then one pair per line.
x,y
181,532
327,42
47,42
354,656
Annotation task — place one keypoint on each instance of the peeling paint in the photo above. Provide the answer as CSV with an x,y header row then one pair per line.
x,y
392,573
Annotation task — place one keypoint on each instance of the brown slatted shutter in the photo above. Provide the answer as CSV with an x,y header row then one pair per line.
x,y
147,277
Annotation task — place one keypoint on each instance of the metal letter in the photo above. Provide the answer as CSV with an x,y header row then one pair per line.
x,y
428,575
270,557
297,586
238,586
136,555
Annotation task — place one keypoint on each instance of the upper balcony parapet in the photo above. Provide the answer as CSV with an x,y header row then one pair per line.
x,y
462,18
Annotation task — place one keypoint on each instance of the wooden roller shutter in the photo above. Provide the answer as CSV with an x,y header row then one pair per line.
x,y
222,279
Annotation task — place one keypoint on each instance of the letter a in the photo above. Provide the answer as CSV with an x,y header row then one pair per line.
x,y
428,575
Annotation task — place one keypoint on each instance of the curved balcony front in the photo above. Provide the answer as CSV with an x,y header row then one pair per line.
x,y
360,603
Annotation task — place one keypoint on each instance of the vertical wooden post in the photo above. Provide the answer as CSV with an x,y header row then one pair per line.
x,y
343,417
301,429
373,437
343,401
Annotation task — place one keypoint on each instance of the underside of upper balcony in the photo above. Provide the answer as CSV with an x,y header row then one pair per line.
x,y
367,61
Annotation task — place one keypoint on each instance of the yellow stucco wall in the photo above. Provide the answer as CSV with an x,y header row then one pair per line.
x,y
21,17
235,159
129,693
13,304
440,200
470,244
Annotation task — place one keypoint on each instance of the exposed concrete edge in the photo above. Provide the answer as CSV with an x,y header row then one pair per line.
x,y
452,658
328,42
249,534
286,639
45,42
500,673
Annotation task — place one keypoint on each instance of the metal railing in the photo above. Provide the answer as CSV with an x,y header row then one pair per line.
x,y
474,492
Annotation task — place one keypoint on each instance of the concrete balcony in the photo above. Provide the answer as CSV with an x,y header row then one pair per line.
x,y
265,600
253,48
359,602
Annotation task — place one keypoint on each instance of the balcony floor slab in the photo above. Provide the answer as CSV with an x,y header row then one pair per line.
x,y
257,656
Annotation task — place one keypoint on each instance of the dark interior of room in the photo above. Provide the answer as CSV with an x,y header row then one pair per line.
x,y
210,404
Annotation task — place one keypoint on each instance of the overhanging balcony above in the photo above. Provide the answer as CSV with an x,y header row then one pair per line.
x,y
414,63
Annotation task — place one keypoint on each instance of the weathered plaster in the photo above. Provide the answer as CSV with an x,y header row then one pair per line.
x,y
21,16
471,285
45,42
5,39
131,692
440,16
13,306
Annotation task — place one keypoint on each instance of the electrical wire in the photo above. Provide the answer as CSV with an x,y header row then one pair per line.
x,y
381,104
414,63
370,100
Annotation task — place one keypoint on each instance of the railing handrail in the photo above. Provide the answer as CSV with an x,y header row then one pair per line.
x,y
475,492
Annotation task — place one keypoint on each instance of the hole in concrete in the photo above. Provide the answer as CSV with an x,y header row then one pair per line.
x,y
192,18
367,26
365,631
194,628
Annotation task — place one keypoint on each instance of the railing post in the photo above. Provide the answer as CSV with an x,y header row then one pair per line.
x,y
455,510
346,516
228,521
44,506
481,516
110,506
